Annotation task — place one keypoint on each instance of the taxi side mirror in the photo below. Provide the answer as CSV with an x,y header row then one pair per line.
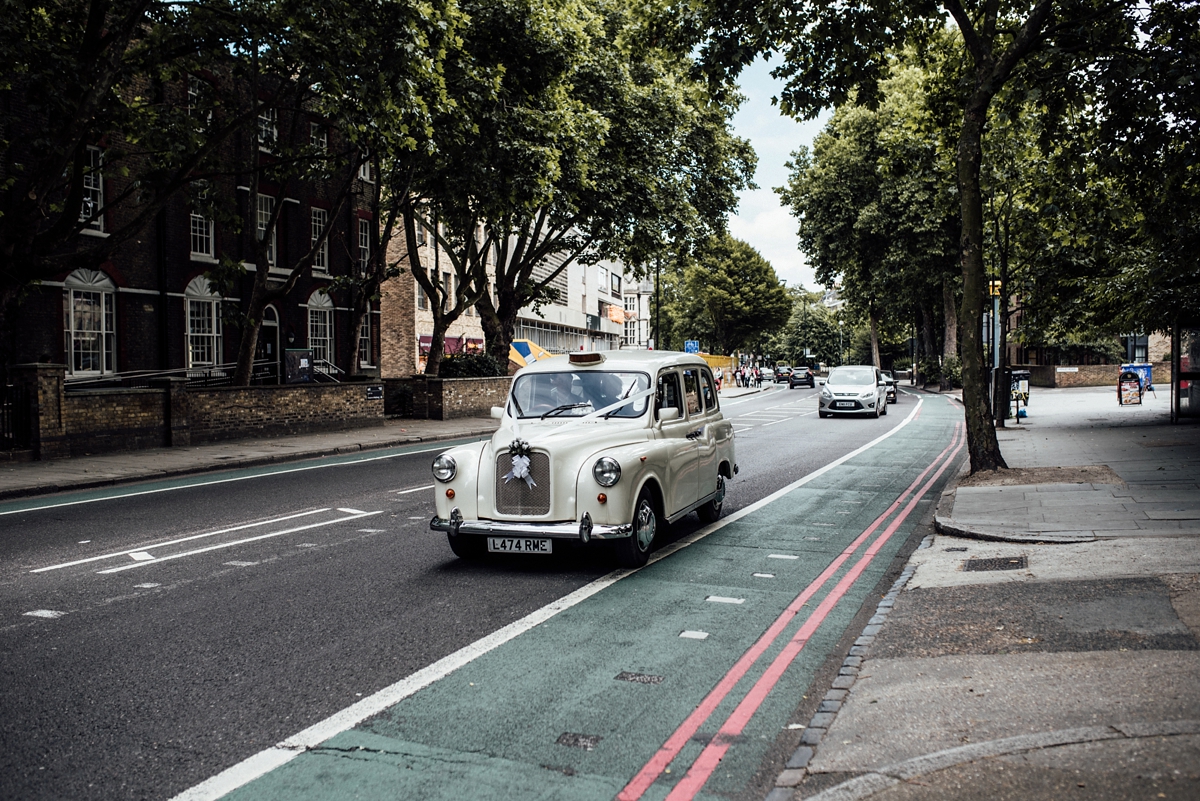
x,y
497,412
668,414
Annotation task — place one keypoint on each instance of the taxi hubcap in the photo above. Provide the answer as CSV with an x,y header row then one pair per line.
x,y
645,525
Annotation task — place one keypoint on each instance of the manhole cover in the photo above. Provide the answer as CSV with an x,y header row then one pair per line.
x,y
1002,563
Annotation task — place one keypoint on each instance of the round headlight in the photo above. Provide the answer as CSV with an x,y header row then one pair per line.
x,y
444,468
606,471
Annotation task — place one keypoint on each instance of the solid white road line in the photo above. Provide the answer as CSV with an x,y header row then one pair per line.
x,y
144,548
414,489
263,762
217,481
220,545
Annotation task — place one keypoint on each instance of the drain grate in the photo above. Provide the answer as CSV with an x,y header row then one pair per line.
x,y
585,741
638,678
1001,563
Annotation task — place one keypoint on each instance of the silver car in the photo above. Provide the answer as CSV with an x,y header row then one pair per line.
x,y
853,389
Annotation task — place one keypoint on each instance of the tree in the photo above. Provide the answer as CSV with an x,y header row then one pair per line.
x,y
601,143
812,329
835,52
873,202
730,296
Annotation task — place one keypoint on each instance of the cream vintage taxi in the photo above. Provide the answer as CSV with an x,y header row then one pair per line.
x,y
598,447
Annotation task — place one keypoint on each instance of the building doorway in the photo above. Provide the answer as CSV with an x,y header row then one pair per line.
x,y
267,354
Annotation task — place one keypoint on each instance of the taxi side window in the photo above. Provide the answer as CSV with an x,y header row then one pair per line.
x,y
710,392
691,390
668,393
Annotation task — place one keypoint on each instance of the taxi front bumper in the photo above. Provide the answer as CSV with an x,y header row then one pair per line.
x,y
583,530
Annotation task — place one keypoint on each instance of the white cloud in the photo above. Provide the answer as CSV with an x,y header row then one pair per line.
x,y
761,220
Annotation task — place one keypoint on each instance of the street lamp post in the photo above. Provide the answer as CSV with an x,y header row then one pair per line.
x,y
841,348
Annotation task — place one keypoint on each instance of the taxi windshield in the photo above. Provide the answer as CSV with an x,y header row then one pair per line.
x,y
575,393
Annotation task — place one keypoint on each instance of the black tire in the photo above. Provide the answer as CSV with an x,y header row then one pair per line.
x,y
884,408
711,511
467,547
634,550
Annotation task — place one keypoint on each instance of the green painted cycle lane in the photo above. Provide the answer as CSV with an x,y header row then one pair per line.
x,y
546,716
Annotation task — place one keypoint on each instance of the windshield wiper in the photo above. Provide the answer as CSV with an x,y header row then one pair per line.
x,y
623,397
566,407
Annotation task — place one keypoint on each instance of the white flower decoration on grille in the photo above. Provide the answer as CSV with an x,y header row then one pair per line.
x,y
520,451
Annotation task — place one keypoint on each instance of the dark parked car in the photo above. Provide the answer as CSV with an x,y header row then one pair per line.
x,y
782,373
891,385
802,376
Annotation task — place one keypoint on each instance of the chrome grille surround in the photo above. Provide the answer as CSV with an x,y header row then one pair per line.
x,y
515,497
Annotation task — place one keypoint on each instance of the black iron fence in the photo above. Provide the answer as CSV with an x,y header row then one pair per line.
x,y
265,371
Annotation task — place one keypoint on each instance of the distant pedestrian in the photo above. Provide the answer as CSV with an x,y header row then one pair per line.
x,y
758,378
718,375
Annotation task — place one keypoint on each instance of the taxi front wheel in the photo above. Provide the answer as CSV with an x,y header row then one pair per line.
x,y
634,550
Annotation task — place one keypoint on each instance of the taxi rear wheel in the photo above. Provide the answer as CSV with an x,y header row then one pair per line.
x,y
710,511
634,550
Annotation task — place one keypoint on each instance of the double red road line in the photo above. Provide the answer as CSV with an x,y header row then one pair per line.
x,y
712,754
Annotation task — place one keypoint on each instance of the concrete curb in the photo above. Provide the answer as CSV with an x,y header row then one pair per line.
x,y
888,776
947,526
797,766
230,464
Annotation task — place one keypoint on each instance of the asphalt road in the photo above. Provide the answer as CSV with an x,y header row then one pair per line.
x,y
180,627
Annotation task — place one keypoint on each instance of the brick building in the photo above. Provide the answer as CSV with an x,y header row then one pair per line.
x,y
150,306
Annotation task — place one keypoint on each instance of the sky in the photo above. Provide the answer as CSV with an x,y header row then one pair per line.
x,y
760,220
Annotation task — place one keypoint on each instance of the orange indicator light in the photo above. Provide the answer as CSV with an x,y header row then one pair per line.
x,y
449,493
602,498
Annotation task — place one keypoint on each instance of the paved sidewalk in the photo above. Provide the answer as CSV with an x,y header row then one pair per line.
x,y
1050,650
23,479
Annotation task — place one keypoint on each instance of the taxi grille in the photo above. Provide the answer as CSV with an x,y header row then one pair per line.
x,y
515,496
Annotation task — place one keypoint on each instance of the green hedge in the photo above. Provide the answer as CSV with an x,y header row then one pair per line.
x,y
480,365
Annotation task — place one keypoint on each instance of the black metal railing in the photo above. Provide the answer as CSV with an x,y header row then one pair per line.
x,y
265,371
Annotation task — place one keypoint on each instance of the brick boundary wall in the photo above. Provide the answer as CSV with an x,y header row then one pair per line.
x,y
170,414
1087,375
224,413
107,420
425,398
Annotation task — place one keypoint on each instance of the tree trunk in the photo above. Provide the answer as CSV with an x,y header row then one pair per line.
x,y
950,339
249,342
982,445
493,331
874,320
930,341
437,346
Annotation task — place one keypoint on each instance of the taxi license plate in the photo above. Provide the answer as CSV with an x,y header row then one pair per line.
x,y
844,404
517,545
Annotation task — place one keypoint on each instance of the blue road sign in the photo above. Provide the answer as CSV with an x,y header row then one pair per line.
x,y
691,346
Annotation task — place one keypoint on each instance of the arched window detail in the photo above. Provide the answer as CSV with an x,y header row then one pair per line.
x,y
89,323
203,323
320,330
